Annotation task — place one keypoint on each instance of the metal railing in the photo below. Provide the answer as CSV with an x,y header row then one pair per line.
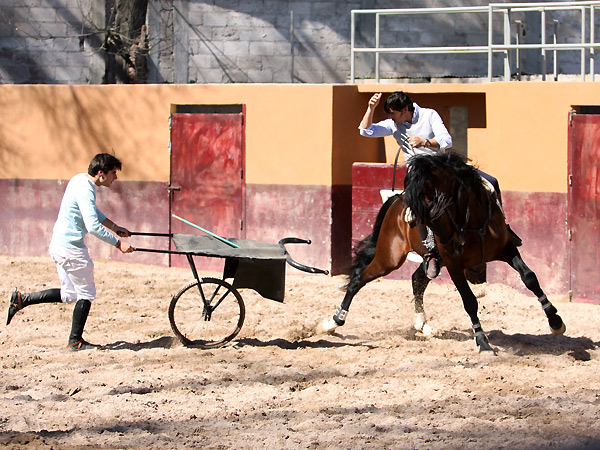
x,y
492,10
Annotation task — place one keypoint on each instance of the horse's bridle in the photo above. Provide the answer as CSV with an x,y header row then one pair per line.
x,y
440,207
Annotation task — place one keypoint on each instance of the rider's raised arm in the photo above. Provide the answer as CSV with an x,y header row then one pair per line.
x,y
367,119
380,129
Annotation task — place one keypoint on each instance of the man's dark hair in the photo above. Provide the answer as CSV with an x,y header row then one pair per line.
x,y
397,101
103,162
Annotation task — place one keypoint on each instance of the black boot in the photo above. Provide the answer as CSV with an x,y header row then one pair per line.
x,y
18,301
431,265
80,315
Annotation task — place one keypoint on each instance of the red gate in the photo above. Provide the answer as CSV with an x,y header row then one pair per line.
x,y
584,207
207,176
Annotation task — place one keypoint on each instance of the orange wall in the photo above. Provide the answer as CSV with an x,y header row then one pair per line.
x,y
51,132
527,123
295,134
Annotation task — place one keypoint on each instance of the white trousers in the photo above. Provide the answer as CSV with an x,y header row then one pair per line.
x,y
76,273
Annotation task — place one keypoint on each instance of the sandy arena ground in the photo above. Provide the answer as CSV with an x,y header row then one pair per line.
x,y
375,384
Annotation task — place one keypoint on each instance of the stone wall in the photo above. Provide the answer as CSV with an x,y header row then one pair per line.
x,y
51,41
251,41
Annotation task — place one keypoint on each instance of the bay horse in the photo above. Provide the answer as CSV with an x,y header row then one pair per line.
x,y
448,195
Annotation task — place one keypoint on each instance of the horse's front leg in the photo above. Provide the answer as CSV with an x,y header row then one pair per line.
x,y
420,281
471,306
557,326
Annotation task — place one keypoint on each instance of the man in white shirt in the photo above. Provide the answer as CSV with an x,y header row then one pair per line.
x,y
421,128
418,131
77,216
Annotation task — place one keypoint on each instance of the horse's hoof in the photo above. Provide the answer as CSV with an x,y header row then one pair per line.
x,y
422,325
427,330
560,331
485,349
487,353
327,326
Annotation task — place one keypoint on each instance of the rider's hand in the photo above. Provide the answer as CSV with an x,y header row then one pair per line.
x,y
125,247
416,141
374,101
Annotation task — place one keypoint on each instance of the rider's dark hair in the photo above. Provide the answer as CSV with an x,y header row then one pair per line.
x,y
397,101
103,162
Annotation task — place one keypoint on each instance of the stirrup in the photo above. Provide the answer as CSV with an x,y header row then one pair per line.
x,y
431,265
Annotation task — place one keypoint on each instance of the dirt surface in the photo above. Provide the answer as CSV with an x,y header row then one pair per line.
x,y
375,384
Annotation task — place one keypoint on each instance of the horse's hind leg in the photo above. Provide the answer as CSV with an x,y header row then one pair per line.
x,y
420,281
557,326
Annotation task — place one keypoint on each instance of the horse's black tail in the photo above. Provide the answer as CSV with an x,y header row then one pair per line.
x,y
364,252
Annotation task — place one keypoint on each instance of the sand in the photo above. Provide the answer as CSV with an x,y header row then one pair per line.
x,y
374,384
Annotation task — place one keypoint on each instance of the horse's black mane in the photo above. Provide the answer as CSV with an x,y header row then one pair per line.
x,y
427,169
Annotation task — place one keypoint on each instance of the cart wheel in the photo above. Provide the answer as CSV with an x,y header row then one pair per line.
x,y
207,313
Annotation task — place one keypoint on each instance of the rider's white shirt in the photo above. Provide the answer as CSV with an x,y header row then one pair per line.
x,y
426,124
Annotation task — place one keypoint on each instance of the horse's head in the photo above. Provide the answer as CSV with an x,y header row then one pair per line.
x,y
439,190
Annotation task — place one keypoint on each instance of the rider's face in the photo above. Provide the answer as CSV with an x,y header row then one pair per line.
x,y
404,115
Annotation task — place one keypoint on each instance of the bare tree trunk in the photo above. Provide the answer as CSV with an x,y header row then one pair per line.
x,y
126,41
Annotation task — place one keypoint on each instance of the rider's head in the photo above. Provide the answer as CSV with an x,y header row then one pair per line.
x,y
103,162
397,101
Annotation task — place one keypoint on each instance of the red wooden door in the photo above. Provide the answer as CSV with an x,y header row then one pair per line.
x,y
584,207
207,182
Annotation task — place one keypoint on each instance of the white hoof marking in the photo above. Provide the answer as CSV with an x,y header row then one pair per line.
x,y
427,330
420,321
327,326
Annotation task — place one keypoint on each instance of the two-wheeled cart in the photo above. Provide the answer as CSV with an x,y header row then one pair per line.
x,y
209,312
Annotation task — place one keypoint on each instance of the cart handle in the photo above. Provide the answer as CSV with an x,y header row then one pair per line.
x,y
141,233
297,265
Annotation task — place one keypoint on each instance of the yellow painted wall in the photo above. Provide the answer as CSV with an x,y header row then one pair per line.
x,y
52,132
295,134
525,144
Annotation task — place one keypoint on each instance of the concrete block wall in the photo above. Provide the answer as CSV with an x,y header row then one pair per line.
x,y
51,41
250,41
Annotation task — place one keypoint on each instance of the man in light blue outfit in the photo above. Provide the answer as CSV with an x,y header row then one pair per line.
x,y
78,215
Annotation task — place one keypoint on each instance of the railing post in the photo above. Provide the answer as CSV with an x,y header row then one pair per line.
x,y
292,46
592,40
352,43
555,41
519,69
377,47
506,15
490,42
543,41
583,42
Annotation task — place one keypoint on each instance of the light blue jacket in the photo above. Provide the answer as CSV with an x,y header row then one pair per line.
x,y
79,215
